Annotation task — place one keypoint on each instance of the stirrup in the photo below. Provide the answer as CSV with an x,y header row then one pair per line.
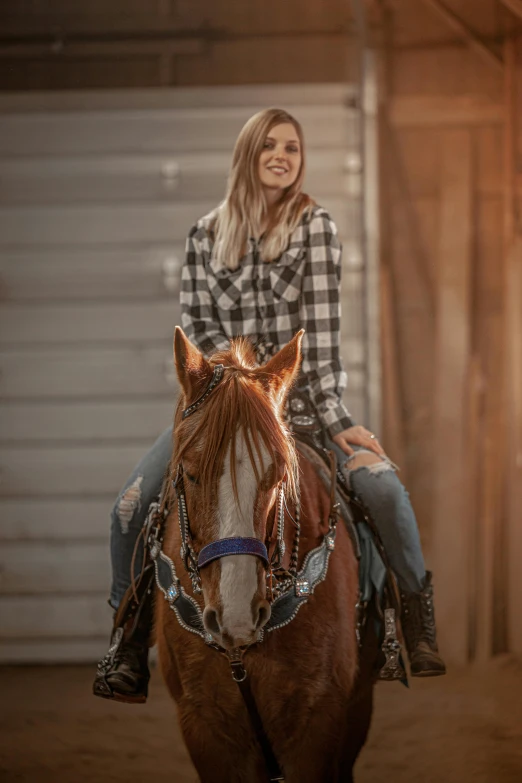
x,y
393,668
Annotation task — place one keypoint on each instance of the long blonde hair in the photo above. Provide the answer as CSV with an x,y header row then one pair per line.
x,y
241,214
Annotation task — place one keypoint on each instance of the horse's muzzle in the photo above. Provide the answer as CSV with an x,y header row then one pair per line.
x,y
237,632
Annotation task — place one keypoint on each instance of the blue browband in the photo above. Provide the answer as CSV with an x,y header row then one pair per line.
x,y
232,546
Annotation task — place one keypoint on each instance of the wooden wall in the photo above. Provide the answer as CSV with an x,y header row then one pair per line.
x,y
70,44
97,194
446,245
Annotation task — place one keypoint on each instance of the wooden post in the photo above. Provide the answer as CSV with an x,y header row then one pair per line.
x,y
452,352
371,236
514,444
480,578
513,342
392,399
484,536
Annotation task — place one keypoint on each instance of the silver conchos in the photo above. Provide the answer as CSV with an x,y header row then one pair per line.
x,y
297,405
172,593
303,421
302,588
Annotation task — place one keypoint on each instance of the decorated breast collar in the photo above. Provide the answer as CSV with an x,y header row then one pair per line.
x,y
283,609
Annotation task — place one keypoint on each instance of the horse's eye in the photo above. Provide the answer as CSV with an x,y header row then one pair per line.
x,y
192,479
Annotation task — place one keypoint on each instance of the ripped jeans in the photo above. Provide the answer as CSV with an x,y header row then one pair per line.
x,y
376,485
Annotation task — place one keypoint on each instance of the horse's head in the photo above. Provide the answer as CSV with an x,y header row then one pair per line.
x,y
235,452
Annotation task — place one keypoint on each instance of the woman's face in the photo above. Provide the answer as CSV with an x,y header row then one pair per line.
x,y
280,159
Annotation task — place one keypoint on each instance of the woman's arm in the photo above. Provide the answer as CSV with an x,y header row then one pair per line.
x,y
320,314
199,317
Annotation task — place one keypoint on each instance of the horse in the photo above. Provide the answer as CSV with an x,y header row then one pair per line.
x,y
240,485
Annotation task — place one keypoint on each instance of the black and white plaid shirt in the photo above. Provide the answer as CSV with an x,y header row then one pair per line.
x,y
270,302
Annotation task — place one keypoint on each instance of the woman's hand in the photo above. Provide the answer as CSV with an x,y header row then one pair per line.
x,y
358,436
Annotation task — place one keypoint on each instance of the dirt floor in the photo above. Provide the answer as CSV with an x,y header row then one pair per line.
x,y
466,727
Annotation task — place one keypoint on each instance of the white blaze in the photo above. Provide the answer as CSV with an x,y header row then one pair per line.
x,y
238,572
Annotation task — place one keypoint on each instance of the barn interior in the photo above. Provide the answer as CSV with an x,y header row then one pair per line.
x,y
117,121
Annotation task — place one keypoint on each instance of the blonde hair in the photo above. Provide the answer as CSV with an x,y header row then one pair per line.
x,y
241,214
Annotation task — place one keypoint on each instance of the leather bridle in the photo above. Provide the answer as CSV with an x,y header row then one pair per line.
x,y
223,547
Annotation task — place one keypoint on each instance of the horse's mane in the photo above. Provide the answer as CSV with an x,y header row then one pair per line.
x,y
240,401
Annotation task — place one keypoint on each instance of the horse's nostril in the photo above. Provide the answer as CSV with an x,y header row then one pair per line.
x,y
263,614
211,621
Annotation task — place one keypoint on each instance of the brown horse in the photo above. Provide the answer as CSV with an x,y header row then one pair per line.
x,y
233,452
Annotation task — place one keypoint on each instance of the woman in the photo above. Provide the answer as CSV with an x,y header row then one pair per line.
x,y
265,264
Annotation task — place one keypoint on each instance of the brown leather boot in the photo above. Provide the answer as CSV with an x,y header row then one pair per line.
x,y
123,673
420,635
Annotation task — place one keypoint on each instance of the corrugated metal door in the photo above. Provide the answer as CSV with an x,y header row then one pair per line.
x,y
97,193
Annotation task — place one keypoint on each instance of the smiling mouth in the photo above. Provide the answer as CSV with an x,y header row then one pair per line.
x,y
278,169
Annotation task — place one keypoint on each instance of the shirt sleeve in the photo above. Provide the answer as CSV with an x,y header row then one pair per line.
x,y
320,314
199,316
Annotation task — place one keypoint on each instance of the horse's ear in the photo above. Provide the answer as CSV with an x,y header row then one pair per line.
x,y
193,370
281,371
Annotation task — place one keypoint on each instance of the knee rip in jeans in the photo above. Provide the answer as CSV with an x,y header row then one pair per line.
x,y
129,501
363,459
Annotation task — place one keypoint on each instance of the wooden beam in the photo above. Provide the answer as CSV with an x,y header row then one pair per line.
x,y
515,6
479,502
514,446
392,396
465,32
513,343
370,130
418,111
451,518
393,432
92,50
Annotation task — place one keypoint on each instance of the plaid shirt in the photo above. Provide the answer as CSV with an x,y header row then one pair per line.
x,y
270,302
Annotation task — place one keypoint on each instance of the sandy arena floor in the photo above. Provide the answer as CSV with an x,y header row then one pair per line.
x,y
464,728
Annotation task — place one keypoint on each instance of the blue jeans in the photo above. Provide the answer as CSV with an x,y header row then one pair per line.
x,y
130,511
388,502
377,486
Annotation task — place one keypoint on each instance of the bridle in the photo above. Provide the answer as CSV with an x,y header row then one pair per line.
x,y
223,547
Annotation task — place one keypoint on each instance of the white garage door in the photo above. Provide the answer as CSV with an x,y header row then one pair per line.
x,y
97,193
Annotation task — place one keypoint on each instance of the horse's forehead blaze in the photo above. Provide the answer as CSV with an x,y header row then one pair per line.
x,y
240,575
